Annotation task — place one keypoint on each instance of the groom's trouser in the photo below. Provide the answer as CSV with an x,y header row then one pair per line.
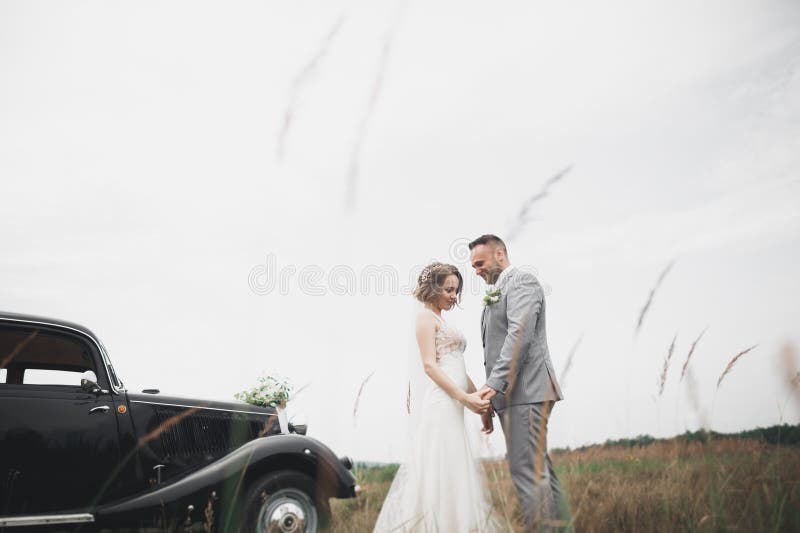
x,y
541,500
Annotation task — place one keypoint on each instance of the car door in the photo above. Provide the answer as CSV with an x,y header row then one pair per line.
x,y
58,440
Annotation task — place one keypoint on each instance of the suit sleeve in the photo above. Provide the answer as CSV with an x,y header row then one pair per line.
x,y
523,304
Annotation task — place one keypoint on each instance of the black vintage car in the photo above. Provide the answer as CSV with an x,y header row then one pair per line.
x,y
80,452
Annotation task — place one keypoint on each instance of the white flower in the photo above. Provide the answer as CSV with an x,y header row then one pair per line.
x,y
270,390
491,297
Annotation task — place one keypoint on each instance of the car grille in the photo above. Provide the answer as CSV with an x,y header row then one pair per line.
x,y
208,432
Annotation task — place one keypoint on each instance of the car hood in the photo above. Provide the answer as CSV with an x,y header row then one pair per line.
x,y
182,401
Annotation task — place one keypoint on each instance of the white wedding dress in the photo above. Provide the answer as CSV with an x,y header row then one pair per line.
x,y
440,486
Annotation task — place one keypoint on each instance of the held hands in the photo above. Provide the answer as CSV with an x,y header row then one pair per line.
x,y
475,403
487,393
478,402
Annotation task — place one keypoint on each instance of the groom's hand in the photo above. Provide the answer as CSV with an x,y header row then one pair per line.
x,y
487,393
476,404
488,423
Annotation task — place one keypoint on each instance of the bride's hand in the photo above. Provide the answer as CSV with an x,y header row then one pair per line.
x,y
475,403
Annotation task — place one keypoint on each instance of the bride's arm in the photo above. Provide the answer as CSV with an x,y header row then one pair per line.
x,y
426,335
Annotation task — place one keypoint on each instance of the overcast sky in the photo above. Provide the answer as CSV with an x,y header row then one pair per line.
x,y
152,191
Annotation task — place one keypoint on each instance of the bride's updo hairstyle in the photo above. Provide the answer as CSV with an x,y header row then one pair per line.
x,y
431,280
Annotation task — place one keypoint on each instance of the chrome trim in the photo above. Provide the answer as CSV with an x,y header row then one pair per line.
x,y
109,365
99,409
201,407
103,355
39,520
286,517
158,469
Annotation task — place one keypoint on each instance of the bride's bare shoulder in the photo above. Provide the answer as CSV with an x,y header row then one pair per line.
x,y
426,319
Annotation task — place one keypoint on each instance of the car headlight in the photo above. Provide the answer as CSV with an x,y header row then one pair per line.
x,y
298,425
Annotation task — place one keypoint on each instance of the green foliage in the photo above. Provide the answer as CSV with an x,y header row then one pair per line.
x,y
269,391
378,473
640,440
785,435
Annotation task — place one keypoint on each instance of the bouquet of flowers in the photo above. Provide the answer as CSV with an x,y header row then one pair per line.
x,y
272,391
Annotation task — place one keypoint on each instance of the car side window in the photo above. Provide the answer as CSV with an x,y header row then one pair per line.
x,y
36,376
32,356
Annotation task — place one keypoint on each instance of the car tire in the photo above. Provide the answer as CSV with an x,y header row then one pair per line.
x,y
284,502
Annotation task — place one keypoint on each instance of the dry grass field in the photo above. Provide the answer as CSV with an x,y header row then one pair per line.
x,y
711,485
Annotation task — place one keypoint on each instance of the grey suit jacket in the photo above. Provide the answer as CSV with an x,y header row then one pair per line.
x,y
515,350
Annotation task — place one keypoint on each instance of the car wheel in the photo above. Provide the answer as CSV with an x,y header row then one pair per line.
x,y
284,502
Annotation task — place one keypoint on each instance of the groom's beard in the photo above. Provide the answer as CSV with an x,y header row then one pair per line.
x,y
492,275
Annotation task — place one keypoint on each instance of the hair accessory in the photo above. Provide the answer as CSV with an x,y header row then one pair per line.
x,y
425,275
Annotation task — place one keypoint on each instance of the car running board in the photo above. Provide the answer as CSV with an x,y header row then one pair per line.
x,y
45,519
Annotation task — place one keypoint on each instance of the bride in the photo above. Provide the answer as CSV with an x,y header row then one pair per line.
x,y
439,487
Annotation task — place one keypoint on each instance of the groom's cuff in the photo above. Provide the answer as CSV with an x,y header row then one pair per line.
x,y
496,384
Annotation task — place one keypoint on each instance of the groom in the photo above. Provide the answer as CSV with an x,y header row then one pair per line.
x,y
520,381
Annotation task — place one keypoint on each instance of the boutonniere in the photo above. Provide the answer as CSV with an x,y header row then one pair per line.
x,y
491,297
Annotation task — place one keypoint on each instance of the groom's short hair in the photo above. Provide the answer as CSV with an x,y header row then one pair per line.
x,y
489,239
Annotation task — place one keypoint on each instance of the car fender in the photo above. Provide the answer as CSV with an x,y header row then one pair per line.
x,y
237,469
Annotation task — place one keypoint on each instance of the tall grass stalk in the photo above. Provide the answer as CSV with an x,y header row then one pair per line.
x,y
663,379
651,296
691,351
732,362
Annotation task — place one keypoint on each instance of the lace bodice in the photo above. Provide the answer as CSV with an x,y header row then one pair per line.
x,y
448,339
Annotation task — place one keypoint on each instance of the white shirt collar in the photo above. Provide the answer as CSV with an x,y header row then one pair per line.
x,y
503,275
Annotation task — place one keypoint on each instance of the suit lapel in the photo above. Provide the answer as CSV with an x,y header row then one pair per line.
x,y
483,324
485,314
